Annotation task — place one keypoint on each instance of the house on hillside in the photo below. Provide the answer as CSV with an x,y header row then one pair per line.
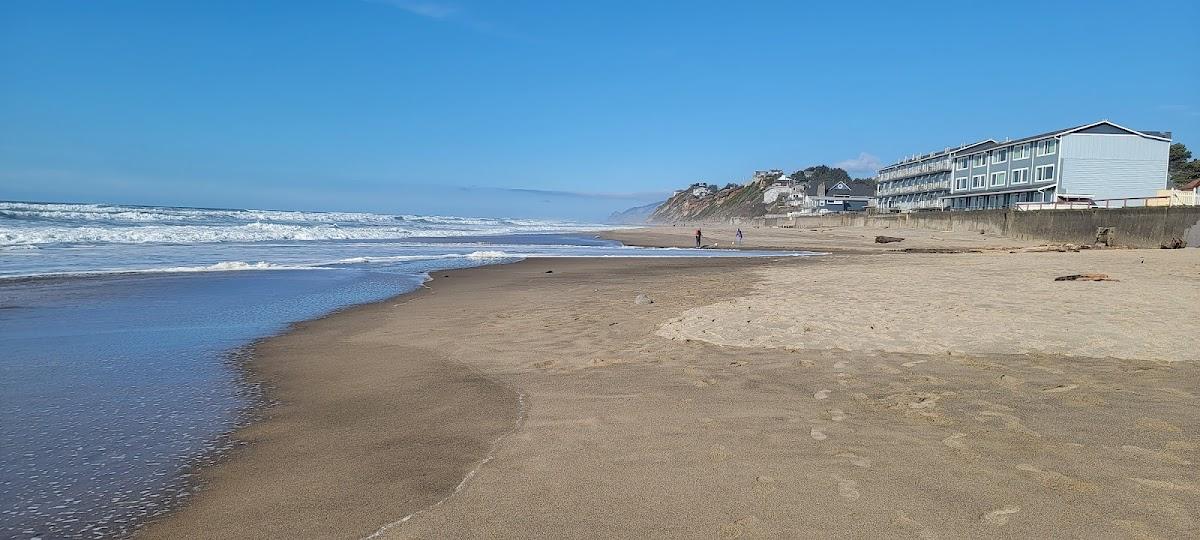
x,y
825,198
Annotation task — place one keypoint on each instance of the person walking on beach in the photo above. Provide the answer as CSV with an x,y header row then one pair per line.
x,y
698,236
738,236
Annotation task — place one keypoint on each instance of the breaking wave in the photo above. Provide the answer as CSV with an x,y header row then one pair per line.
x,y
39,224
227,266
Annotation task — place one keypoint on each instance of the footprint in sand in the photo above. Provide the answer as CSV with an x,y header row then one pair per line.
x,y
751,526
1058,481
1168,486
1011,381
954,441
1155,455
817,434
1155,424
764,485
922,531
1178,393
1011,422
1060,388
837,415
1000,516
821,394
914,363
719,453
924,401
847,488
856,460
841,364
887,369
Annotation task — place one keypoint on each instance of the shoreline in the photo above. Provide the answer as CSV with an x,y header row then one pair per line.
x,y
716,403
214,469
836,240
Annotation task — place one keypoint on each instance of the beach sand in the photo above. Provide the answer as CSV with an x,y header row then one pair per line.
x,y
752,398
824,239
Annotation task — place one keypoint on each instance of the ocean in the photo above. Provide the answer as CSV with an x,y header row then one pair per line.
x,y
123,329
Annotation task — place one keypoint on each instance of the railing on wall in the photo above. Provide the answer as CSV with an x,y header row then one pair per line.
x,y
1125,202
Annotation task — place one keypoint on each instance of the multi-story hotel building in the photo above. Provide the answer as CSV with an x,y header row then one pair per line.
x,y
1100,160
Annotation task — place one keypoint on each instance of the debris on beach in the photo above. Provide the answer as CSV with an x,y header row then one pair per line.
x,y
1085,277
1059,248
939,250
1174,243
643,300
887,239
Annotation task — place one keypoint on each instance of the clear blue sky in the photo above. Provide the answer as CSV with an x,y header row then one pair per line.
x,y
555,108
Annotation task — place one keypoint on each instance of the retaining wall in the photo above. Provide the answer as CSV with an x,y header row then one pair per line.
x,y
1145,227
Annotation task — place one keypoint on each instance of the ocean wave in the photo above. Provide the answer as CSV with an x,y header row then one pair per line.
x,y
394,258
489,255
153,214
37,224
251,232
226,266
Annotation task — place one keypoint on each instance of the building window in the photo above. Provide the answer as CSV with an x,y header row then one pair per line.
x,y
1020,176
979,160
1000,156
998,178
1045,173
961,163
1021,151
1047,147
977,181
960,182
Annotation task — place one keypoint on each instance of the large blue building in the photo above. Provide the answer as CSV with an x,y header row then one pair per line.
x,y
1100,160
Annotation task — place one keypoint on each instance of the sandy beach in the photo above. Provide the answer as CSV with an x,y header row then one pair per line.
x,y
847,395
859,240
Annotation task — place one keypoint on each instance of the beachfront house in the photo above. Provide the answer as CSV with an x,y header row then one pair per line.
x,y
822,198
1101,160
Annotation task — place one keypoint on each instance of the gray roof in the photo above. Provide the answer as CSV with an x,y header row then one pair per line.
x,y
939,153
857,189
1159,134
984,145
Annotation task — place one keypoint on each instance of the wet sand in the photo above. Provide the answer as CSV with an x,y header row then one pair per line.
x,y
575,411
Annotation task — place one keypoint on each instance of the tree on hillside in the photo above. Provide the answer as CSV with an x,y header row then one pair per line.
x,y
1181,168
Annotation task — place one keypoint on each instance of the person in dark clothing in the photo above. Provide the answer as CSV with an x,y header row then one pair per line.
x,y
698,236
739,236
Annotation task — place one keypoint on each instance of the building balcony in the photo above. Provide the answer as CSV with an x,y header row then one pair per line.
x,y
918,188
917,169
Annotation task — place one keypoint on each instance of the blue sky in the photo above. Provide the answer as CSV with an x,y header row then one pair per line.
x,y
547,109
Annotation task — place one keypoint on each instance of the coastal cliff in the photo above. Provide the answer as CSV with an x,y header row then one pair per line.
x,y
706,202
702,202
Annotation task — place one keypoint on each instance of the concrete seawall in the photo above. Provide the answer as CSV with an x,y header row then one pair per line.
x,y
1147,227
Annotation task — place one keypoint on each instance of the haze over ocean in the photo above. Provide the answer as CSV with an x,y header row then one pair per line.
x,y
551,110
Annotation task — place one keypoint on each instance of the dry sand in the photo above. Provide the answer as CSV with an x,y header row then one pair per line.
x,y
577,413
824,239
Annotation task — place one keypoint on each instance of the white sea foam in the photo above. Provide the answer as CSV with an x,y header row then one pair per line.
x,y
227,266
396,258
488,255
38,224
